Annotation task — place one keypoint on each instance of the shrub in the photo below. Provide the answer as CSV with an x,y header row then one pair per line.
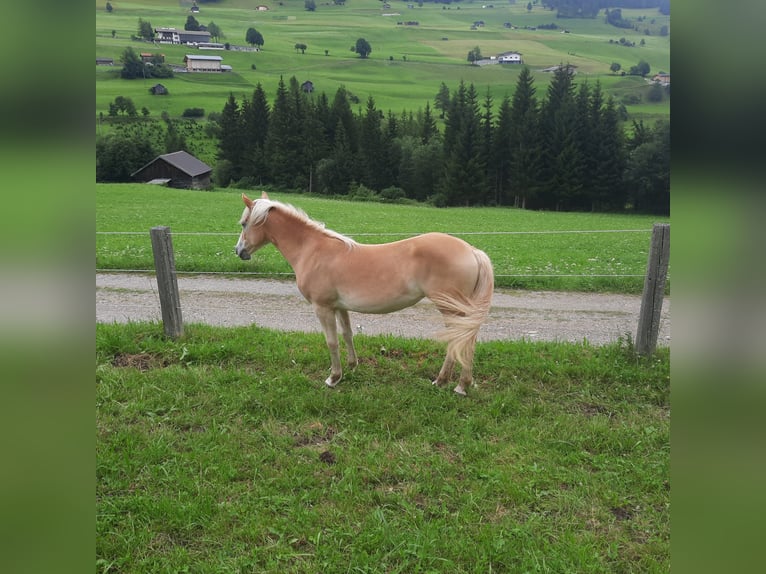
x,y
193,113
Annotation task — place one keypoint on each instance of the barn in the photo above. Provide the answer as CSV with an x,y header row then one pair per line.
x,y
178,169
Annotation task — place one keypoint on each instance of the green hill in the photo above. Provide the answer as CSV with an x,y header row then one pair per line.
x,y
407,63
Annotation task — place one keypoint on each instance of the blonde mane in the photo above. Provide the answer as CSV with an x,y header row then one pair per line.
x,y
262,207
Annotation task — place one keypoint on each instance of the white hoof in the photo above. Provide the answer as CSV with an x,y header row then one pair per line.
x,y
331,381
460,391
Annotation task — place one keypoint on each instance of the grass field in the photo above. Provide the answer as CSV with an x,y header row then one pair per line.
x,y
407,63
224,452
529,249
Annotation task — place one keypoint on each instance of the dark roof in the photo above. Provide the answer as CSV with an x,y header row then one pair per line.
x,y
184,161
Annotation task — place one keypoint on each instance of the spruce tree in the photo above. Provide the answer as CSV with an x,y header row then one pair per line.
x,y
231,143
278,146
559,153
503,152
255,124
526,169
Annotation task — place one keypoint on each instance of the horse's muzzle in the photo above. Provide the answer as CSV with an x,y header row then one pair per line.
x,y
242,253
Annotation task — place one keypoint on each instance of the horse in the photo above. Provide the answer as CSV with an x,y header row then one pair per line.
x,y
337,275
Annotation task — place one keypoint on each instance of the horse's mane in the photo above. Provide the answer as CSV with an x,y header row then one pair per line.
x,y
262,207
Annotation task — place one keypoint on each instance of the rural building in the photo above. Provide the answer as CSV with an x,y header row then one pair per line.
x,y
195,63
307,86
158,90
148,57
176,36
510,58
178,169
662,79
105,61
262,8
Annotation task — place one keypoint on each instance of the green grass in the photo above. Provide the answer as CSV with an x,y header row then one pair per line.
x,y
395,84
522,257
224,452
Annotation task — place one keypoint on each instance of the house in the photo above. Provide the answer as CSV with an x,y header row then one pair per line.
x,y
510,58
178,169
661,79
262,8
105,61
307,86
196,63
176,36
158,90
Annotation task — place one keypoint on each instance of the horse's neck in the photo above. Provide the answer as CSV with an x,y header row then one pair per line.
x,y
292,237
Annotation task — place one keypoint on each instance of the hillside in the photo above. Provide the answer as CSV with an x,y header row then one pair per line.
x,y
407,63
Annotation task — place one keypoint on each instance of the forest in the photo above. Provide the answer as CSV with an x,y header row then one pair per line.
x,y
568,150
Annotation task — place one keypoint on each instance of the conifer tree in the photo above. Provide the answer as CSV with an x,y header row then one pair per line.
x,y
525,169
502,152
255,128
231,143
428,129
559,153
280,153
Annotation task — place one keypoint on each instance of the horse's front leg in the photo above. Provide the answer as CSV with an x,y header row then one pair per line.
x,y
326,317
348,336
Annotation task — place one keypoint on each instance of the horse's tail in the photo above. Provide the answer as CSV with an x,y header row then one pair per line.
x,y
465,314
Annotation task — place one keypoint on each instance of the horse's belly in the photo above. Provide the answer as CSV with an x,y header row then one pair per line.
x,y
379,302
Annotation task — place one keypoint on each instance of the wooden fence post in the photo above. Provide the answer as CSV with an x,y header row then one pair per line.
x,y
654,290
167,284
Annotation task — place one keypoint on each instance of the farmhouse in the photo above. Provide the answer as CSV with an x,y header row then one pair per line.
x,y
178,169
262,8
510,58
176,36
195,63
158,90
662,79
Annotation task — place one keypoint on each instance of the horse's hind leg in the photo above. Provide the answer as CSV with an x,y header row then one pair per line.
x,y
446,371
348,336
327,319
466,372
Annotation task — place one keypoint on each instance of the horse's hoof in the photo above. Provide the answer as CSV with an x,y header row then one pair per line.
x,y
460,391
436,383
331,381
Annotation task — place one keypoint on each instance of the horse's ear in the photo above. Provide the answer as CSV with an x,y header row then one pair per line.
x,y
247,200
264,195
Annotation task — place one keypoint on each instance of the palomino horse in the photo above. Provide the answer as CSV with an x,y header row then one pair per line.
x,y
337,275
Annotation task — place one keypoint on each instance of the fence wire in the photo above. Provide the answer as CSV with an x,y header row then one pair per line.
x,y
389,234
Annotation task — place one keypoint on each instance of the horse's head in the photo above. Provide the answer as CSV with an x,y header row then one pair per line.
x,y
252,237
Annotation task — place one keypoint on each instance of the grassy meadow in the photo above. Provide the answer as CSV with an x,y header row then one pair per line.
x,y
224,452
407,63
529,249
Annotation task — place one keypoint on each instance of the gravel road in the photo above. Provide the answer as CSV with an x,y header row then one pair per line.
x,y
532,315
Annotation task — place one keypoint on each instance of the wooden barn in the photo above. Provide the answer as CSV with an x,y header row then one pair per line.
x,y
178,169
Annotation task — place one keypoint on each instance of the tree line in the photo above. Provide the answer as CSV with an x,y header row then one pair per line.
x,y
565,151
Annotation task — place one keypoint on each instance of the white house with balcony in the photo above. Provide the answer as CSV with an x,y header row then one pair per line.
x,y
510,58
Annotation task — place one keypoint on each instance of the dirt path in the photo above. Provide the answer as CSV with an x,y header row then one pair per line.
x,y
214,300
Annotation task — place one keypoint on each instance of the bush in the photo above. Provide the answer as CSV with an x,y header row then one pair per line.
x,y
361,192
193,113
393,194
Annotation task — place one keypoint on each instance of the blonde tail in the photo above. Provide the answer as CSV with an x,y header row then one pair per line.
x,y
464,315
